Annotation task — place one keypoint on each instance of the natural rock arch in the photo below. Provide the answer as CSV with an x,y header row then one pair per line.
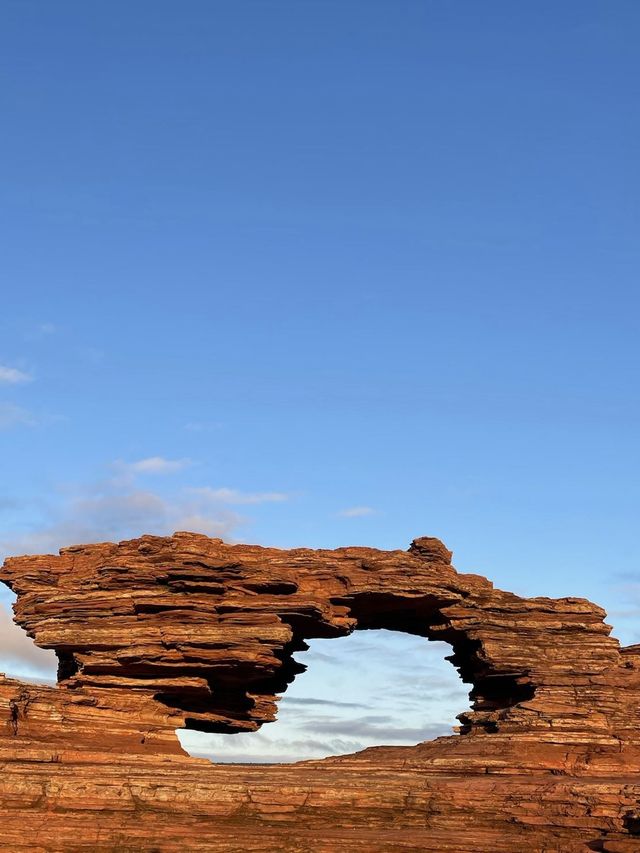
x,y
162,632
210,629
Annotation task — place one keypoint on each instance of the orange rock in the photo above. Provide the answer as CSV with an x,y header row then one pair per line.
x,y
163,632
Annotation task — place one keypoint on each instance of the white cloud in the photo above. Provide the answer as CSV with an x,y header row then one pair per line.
x,y
219,526
13,376
19,655
357,512
12,415
118,508
234,496
111,513
156,465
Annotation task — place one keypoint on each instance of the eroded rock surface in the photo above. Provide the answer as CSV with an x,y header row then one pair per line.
x,y
163,632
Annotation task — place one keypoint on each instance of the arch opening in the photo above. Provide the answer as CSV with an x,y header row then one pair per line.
x,y
375,687
246,695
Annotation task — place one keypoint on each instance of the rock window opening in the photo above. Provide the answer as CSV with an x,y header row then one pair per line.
x,y
375,687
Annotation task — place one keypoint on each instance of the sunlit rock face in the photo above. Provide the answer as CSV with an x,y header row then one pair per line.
x,y
186,631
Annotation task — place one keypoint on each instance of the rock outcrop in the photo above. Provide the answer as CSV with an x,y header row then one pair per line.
x,y
158,633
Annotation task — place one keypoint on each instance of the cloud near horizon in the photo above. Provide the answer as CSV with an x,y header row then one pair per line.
x,y
19,655
111,517
118,508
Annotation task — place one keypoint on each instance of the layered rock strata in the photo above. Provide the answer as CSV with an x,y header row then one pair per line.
x,y
158,633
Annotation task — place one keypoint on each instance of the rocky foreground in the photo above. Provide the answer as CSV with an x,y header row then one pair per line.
x,y
160,633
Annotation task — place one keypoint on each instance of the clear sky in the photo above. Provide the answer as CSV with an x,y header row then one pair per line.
x,y
323,273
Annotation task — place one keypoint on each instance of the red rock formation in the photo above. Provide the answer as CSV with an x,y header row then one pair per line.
x,y
158,633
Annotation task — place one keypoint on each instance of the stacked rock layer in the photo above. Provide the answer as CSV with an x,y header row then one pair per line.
x,y
158,633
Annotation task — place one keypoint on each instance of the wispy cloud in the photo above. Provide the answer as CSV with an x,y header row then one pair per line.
x,y
329,703
155,465
379,729
234,496
102,514
121,508
13,416
13,376
357,512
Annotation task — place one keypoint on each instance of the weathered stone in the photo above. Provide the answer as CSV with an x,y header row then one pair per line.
x,y
162,632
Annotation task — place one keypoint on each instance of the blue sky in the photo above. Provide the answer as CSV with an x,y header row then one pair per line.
x,y
344,272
